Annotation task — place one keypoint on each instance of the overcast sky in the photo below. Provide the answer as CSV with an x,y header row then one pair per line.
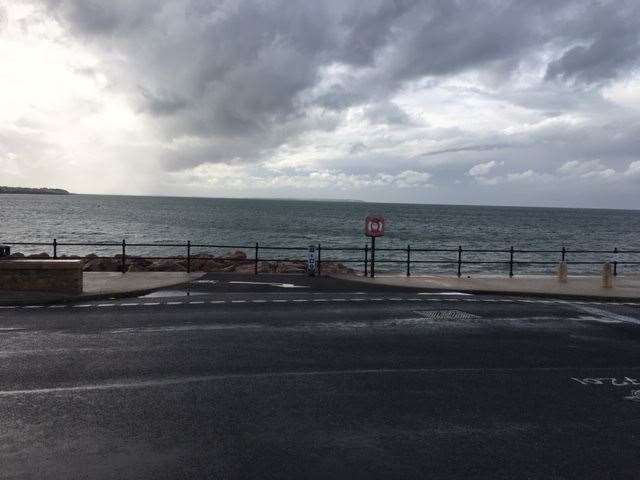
x,y
493,102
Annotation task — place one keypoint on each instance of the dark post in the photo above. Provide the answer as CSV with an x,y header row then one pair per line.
x,y
373,257
366,258
408,260
188,256
255,262
511,261
564,251
459,261
615,262
55,248
319,260
124,246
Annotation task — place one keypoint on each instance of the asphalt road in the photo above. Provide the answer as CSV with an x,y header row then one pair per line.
x,y
305,378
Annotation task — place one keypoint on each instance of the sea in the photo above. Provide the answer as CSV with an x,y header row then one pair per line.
x,y
335,225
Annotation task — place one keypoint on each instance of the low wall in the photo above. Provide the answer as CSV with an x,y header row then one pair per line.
x,y
64,276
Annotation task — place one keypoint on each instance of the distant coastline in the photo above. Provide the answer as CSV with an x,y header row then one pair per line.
x,y
40,191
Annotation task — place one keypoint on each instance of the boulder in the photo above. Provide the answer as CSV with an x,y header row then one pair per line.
x,y
17,255
39,255
167,265
237,255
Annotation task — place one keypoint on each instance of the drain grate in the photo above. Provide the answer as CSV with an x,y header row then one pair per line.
x,y
446,314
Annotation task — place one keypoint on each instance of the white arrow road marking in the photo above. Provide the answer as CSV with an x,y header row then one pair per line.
x,y
605,316
281,285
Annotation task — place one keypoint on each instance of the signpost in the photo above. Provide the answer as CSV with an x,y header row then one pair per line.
x,y
373,227
312,261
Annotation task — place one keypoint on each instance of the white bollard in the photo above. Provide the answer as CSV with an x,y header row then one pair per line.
x,y
607,276
562,272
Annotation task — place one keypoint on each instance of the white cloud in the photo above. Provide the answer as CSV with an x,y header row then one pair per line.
x,y
482,169
586,169
633,169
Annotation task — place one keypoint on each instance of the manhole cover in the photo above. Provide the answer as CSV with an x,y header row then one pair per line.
x,y
446,314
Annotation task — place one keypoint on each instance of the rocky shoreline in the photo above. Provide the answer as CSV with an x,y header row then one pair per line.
x,y
236,261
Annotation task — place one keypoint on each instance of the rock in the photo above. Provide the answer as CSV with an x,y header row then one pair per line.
x,y
167,265
91,255
237,255
39,255
101,265
17,255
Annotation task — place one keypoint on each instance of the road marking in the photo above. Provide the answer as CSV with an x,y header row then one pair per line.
x,y
338,299
609,316
33,306
150,303
445,293
320,300
106,305
58,306
175,303
217,301
238,301
8,306
128,304
83,305
160,382
395,299
271,284
196,302
258,301
300,300
279,301
357,299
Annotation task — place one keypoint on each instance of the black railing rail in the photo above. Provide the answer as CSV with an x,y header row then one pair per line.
x,y
410,255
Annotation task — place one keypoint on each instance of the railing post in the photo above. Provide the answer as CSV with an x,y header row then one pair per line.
x,y
615,262
408,260
55,248
366,259
564,252
188,256
373,257
255,261
124,253
319,260
511,262
459,261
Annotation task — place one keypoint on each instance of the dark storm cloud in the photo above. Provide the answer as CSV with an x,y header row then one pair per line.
x,y
248,76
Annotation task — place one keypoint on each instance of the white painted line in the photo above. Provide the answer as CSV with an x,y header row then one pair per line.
x,y
258,301
376,299
357,299
106,305
300,300
217,301
57,306
279,301
8,306
414,299
395,299
604,314
83,305
128,304
320,300
196,302
150,303
33,306
338,299
445,293
175,303
238,301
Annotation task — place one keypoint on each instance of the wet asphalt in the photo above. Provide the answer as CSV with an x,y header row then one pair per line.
x,y
312,378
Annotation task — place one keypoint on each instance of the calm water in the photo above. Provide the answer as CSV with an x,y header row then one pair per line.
x,y
95,218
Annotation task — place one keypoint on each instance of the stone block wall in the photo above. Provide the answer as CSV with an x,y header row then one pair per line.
x,y
61,276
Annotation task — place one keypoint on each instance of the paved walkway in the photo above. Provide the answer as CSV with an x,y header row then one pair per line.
x,y
625,287
106,284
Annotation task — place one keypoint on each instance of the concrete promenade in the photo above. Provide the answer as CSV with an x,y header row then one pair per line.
x,y
624,287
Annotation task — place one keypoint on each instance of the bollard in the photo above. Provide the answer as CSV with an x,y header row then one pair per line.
x,y
562,272
607,276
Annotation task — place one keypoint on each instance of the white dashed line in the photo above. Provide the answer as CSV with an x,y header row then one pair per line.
x,y
300,300
217,301
150,303
320,300
8,307
175,303
357,299
33,306
196,302
102,305
258,301
128,304
279,301
338,299
238,301
57,306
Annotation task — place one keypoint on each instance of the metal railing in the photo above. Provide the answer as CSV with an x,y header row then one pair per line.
x,y
407,257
